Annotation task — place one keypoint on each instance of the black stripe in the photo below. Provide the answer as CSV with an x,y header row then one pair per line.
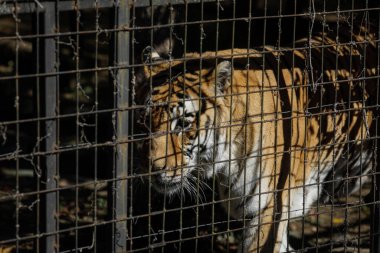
x,y
285,162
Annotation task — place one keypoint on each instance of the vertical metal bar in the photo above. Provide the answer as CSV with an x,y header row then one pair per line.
x,y
375,210
122,59
96,88
77,130
230,154
150,141
39,125
51,199
132,129
375,192
17,107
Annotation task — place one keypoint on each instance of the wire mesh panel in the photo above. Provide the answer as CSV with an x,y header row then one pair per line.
x,y
59,61
189,126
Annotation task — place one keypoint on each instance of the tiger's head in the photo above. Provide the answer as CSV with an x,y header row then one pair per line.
x,y
182,110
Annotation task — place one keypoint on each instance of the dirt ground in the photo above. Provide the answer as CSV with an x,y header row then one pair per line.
x,y
344,227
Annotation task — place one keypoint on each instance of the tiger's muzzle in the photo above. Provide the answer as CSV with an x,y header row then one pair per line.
x,y
168,181
169,163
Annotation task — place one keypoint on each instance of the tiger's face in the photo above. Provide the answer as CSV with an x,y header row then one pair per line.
x,y
180,115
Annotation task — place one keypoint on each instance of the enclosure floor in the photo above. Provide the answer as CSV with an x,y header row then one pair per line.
x,y
342,228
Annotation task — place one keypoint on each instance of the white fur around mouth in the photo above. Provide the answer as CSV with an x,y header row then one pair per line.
x,y
168,188
188,185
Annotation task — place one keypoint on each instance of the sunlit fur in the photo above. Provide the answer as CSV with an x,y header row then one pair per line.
x,y
270,126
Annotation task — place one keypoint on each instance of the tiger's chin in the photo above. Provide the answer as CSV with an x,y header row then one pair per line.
x,y
166,187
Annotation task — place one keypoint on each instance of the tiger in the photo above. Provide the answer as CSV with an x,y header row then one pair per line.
x,y
272,125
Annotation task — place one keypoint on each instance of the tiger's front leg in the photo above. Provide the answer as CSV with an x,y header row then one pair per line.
x,y
267,232
264,233
256,234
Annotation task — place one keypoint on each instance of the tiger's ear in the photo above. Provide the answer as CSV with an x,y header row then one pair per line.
x,y
149,54
223,75
150,57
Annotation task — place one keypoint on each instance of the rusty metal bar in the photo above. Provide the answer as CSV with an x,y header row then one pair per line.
x,y
375,191
51,205
6,8
145,3
121,170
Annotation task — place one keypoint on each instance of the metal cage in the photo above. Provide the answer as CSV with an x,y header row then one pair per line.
x,y
76,170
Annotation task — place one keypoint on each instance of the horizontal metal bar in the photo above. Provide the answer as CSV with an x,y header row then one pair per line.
x,y
103,182
7,8
145,3
204,22
12,156
104,223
